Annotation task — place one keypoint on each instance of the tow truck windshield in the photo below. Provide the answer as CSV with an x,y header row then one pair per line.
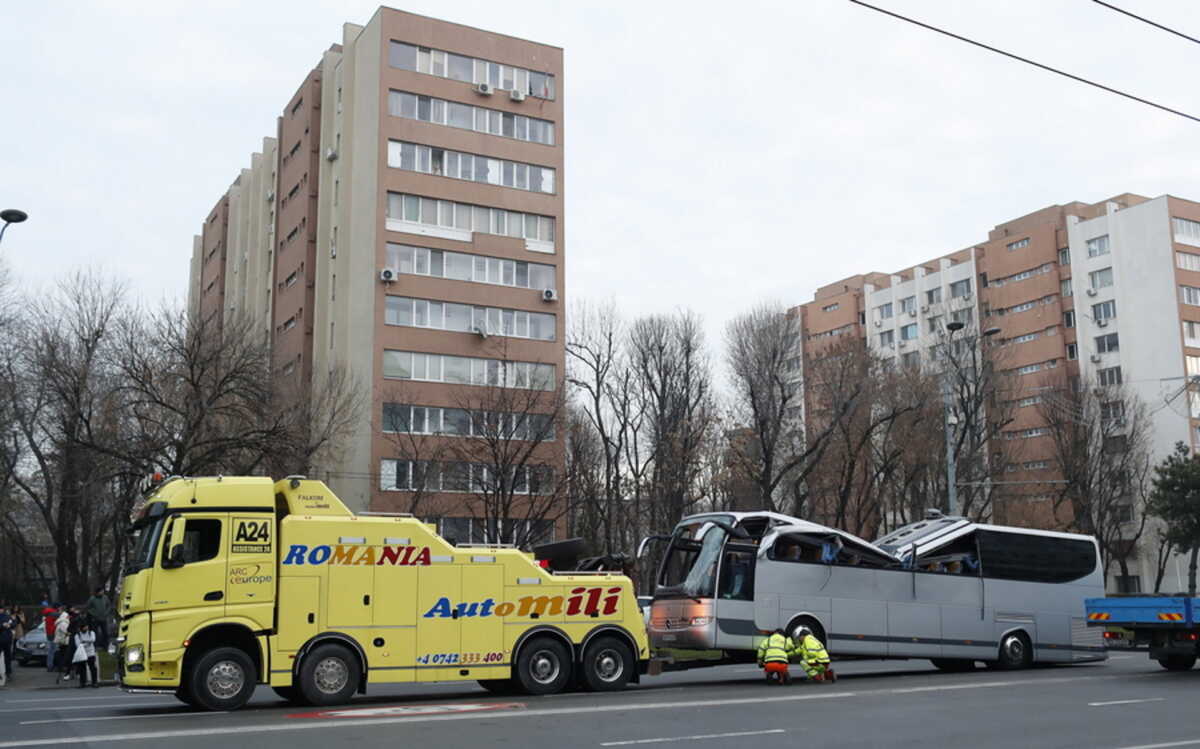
x,y
143,541
690,567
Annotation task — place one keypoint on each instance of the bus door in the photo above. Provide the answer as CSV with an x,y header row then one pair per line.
x,y
734,605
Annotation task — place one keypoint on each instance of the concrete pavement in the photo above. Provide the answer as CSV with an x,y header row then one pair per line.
x,y
1126,702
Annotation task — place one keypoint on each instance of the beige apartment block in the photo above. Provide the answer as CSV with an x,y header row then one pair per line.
x,y
1106,293
418,237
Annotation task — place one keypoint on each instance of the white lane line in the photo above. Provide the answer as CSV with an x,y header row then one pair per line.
x,y
139,716
1126,702
692,738
309,725
1190,742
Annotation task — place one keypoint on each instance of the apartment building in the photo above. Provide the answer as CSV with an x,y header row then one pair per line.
x,y
1101,294
416,210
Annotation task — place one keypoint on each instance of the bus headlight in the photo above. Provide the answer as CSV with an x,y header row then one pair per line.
x,y
700,621
133,655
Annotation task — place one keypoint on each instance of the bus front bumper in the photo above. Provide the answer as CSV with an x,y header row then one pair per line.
x,y
684,623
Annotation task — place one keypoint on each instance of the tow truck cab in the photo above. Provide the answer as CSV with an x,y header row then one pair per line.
x,y
238,581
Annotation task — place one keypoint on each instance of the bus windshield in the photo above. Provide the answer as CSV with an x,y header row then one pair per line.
x,y
690,566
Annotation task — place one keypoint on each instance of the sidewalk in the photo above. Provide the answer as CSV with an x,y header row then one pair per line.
x,y
36,677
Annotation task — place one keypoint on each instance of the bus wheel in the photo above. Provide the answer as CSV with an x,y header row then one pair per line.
x,y
952,665
1015,652
607,665
329,675
544,666
499,686
222,679
1178,662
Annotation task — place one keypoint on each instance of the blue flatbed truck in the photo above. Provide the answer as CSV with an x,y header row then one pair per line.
x,y
1168,625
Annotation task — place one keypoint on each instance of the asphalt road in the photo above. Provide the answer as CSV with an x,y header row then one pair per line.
x,y
1126,702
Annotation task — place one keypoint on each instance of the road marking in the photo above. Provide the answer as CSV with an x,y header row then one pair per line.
x,y
369,722
1190,742
1125,702
139,716
692,738
390,710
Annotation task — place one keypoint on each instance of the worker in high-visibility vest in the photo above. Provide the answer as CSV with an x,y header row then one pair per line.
x,y
816,658
773,655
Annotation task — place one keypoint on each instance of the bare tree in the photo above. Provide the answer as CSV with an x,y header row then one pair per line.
x,y
1101,436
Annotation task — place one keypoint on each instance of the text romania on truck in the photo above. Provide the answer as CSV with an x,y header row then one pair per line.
x,y
240,581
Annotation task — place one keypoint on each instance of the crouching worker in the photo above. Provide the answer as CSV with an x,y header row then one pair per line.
x,y
816,658
773,654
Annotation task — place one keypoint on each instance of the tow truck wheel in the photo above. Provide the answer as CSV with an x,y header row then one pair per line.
x,y
183,695
329,675
499,686
1178,662
607,665
544,666
222,679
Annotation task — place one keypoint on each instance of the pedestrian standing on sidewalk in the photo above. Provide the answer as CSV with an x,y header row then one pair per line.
x,y
85,654
99,609
7,624
62,641
50,618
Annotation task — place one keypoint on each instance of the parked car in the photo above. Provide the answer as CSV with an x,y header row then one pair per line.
x,y
32,647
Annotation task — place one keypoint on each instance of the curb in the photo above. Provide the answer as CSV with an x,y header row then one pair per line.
x,y
103,683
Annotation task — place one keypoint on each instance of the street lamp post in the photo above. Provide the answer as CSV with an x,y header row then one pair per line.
x,y
11,216
949,420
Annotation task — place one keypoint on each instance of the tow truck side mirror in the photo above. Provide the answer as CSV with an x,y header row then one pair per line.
x,y
174,557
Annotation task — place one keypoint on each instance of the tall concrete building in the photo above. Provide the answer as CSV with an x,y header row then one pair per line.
x,y
1105,293
412,233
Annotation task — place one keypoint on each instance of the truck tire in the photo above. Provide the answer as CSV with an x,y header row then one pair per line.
x,y
1015,652
499,686
185,696
544,666
1178,662
221,679
329,675
607,665
953,665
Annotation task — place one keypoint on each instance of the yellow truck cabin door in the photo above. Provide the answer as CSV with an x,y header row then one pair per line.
x,y
189,582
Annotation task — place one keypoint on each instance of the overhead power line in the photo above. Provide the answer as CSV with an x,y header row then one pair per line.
x,y
1027,61
1167,29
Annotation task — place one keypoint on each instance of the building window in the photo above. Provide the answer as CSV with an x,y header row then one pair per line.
x,y
464,370
830,307
470,70
468,117
884,312
964,316
1018,244
935,324
1072,352
1024,338
1186,231
1189,295
1187,260
934,295
1069,318
960,289
420,210
1113,411
911,360
1030,401
886,339
1124,513
1099,279
465,318
413,157
411,475
1104,311
1098,246
461,266
404,418
908,304
1107,343
1064,287
1064,256
1191,333
909,332
1192,365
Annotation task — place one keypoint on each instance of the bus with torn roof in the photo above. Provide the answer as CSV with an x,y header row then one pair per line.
x,y
944,588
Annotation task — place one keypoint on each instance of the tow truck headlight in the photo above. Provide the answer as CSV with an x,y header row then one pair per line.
x,y
133,655
700,621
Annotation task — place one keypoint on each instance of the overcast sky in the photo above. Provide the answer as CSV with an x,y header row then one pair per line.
x,y
717,154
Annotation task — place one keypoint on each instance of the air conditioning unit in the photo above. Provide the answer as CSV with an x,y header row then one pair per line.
x,y
270,195
912,313
924,307
483,88
879,323
1092,292
903,343
331,154
516,95
966,297
1095,358
549,295
1102,323
387,275
480,332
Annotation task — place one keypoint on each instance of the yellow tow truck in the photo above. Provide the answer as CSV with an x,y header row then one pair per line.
x,y
239,581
